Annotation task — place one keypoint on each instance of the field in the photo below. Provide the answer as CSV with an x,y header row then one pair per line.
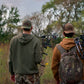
x,y
45,72
4,74
47,76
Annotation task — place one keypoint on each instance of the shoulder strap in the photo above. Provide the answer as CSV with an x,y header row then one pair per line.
x,y
73,49
62,50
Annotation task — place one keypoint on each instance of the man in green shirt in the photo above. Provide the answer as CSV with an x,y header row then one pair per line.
x,y
24,56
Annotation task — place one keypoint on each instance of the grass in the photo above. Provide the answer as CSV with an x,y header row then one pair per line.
x,y
4,73
46,76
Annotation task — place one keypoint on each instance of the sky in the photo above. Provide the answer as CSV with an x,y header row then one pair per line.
x,y
25,7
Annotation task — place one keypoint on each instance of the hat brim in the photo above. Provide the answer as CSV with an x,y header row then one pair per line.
x,y
69,31
24,27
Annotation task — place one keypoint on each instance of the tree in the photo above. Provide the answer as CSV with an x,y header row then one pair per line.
x,y
65,11
3,13
13,20
39,22
8,22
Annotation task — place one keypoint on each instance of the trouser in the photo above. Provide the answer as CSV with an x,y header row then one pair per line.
x,y
82,82
27,79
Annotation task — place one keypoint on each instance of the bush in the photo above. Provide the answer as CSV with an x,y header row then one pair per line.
x,y
55,41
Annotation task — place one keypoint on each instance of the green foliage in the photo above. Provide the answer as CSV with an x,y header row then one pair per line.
x,y
48,6
58,40
65,11
13,19
55,41
13,16
3,12
5,37
8,22
47,74
48,29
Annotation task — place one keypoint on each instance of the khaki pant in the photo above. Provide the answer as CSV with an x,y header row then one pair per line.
x,y
27,79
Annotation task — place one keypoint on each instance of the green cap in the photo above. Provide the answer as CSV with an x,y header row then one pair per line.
x,y
26,24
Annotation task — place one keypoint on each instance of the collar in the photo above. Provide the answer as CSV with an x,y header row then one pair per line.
x,y
68,37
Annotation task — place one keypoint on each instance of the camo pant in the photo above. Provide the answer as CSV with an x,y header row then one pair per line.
x,y
27,79
82,82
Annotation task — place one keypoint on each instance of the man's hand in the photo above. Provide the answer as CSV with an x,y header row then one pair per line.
x,y
58,82
12,78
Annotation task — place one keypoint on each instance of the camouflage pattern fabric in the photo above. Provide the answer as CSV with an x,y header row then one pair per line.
x,y
70,69
82,82
27,79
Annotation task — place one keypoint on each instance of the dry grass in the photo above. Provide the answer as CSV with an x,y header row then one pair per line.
x,y
46,76
4,73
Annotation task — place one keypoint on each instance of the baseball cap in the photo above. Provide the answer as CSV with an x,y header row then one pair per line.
x,y
68,28
26,24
